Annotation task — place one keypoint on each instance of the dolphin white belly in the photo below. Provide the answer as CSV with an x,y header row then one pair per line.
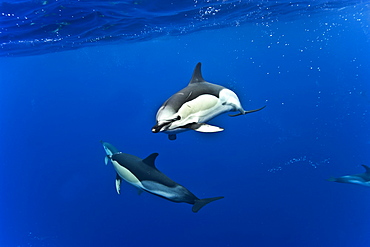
x,y
125,174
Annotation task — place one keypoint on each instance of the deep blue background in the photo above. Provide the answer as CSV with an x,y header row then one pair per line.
x,y
313,75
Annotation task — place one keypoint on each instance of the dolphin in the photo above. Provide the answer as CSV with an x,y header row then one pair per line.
x,y
360,179
194,105
144,175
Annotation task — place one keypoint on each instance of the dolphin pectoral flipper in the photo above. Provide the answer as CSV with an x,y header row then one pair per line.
x,y
246,112
172,137
202,202
106,160
118,183
203,127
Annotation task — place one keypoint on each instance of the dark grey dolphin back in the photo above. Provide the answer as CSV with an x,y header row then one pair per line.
x,y
191,92
143,169
196,87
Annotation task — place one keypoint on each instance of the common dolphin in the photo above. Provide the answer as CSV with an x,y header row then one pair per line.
x,y
144,175
194,105
361,178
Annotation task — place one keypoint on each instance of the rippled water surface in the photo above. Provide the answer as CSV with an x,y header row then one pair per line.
x,y
37,27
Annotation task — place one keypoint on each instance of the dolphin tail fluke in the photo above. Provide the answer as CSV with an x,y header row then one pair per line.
x,y
202,202
246,112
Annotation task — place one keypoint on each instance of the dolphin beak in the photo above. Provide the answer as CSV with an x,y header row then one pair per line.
x,y
161,127
158,127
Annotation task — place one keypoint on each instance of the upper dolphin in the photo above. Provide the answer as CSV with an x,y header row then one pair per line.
x,y
196,104
361,178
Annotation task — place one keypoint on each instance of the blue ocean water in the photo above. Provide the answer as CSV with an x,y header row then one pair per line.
x,y
73,73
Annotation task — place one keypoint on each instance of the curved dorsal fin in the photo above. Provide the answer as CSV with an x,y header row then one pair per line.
x,y
150,160
367,168
197,74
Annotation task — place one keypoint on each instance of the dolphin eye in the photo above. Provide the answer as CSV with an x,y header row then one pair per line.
x,y
178,117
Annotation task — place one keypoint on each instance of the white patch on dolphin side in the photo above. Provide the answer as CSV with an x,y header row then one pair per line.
x,y
355,181
205,107
199,106
125,174
198,110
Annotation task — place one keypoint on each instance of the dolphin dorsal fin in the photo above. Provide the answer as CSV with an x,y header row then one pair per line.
x,y
150,160
197,74
367,168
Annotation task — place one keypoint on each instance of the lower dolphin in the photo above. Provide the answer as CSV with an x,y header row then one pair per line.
x,y
144,175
